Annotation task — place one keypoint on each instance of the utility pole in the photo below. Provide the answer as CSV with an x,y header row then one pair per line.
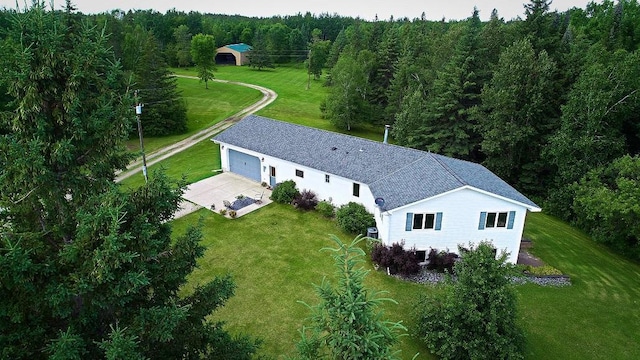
x,y
144,159
309,71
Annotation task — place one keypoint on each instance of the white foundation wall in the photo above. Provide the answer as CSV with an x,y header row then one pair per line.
x,y
460,219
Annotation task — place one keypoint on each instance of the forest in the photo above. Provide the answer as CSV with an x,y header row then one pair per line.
x,y
549,101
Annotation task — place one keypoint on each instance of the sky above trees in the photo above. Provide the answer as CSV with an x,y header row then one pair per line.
x,y
434,10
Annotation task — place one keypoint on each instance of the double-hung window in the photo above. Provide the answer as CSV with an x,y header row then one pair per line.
x,y
490,220
424,221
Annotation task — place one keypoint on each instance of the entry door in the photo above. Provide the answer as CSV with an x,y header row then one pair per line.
x,y
272,176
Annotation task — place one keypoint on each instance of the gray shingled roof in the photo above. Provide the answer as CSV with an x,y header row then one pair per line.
x,y
397,174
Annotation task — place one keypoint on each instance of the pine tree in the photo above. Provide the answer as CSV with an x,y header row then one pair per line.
x,y
259,56
88,271
347,324
164,112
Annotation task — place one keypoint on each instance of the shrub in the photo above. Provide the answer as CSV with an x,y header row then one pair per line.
x,y
284,192
223,212
545,270
306,200
441,260
476,316
396,259
354,218
326,209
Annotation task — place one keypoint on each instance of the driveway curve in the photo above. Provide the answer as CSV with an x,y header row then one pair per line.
x,y
268,96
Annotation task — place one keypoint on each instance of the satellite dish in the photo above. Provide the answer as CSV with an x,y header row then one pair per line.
x,y
380,202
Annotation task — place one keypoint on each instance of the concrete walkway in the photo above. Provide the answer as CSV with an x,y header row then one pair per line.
x,y
216,189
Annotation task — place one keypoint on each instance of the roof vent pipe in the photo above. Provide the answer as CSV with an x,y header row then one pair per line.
x,y
386,134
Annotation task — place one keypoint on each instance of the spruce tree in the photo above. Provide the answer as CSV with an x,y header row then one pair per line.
x,y
165,112
87,270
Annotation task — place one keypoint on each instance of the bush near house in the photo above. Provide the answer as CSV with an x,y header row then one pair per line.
x,y
326,209
284,192
354,218
395,258
306,200
441,260
483,306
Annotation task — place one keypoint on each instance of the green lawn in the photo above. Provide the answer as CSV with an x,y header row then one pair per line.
x,y
273,255
196,163
598,317
295,103
204,108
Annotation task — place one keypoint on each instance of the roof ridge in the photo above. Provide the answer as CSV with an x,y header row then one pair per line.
x,y
449,170
395,171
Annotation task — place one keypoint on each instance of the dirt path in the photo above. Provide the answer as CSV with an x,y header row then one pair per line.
x,y
268,97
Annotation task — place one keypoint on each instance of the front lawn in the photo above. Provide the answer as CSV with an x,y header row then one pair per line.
x,y
274,256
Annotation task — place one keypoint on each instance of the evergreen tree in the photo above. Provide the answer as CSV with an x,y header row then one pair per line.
x,y
183,45
259,56
347,324
447,127
88,271
203,52
517,116
165,112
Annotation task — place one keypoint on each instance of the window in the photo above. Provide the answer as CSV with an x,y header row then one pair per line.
x,y
326,178
356,189
496,220
272,171
420,221
299,173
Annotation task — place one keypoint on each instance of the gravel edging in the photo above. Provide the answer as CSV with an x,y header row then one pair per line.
x,y
432,277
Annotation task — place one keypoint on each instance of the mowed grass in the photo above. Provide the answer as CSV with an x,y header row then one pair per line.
x,y
196,163
598,317
204,108
295,103
274,255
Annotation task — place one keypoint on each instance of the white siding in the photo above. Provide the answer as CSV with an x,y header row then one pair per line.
x,y
460,218
460,209
338,189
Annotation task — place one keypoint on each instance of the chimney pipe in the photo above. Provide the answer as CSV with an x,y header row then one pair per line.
x,y
386,134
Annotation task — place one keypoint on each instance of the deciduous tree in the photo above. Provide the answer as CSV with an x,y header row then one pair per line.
x,y
203,52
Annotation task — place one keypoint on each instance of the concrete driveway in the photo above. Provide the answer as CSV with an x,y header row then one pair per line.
x,y
216,189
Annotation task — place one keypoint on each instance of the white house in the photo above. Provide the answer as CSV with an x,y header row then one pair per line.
x,y
424,199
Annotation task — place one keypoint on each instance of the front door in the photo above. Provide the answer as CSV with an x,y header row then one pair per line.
x,y
272,176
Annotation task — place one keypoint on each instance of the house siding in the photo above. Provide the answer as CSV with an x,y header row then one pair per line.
x,y
461,211
339,189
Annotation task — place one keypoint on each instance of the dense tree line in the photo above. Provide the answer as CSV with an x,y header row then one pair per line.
x,y
543,101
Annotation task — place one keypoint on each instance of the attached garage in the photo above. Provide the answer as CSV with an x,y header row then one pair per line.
x,y
244,164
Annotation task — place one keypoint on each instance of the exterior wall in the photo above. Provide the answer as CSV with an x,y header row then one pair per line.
x,y
461,211
338,189
241,58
